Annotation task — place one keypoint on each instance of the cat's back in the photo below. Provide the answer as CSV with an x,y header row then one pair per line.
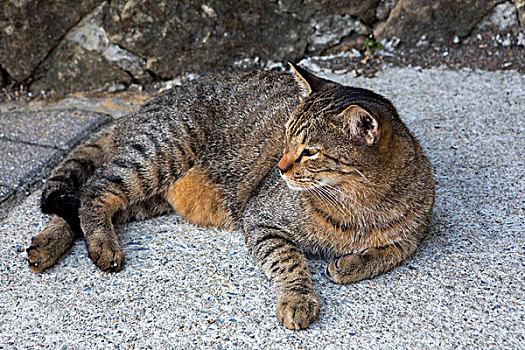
x,y
227,131
218,101
244,116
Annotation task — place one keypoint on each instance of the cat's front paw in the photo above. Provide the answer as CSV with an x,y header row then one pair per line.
x,y
347,269
297,311
106,254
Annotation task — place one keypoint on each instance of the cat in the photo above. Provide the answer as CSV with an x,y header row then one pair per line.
x,y
302,165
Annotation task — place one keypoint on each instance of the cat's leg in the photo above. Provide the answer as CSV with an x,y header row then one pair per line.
x,y
61,192
150,208
111,189
369,262
48,246
285,266
129,183
60,198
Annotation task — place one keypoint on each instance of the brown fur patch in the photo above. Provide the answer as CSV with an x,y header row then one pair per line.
x,y
199,201
112,202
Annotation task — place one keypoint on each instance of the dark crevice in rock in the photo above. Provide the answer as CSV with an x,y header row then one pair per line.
x,y
34,29
132,80
5,79
154,76
61,39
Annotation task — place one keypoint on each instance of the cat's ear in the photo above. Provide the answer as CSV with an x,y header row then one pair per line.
x,y
307,81
363,127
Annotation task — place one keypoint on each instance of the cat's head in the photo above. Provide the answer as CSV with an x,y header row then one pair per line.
x,y
337,134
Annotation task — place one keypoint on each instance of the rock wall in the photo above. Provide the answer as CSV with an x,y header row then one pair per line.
x,y
66,45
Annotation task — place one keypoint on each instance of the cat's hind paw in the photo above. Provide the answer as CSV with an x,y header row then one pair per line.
x,y
297,311
48,246
106,254
347,269
41,253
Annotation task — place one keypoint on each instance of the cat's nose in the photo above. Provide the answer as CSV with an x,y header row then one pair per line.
x,y
285,164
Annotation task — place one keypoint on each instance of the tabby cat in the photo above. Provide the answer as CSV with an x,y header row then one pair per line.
x,y
301,164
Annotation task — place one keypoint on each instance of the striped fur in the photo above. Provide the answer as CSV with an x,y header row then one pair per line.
x,y
302,168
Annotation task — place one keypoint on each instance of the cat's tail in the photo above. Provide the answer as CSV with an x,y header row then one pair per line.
x,y
61,193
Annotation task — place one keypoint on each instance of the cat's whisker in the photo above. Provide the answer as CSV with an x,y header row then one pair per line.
x,y
317,190
360,173
330,204
331,201
352,200
336,202
348,207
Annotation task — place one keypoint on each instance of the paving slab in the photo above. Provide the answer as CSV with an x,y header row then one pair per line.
x,y
60,129
32,142
115,104
20,161
184,287
5,191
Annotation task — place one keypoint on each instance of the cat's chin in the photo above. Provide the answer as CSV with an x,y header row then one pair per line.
x,y
296,186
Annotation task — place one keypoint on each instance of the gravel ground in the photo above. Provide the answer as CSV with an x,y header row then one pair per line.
x,y
184,287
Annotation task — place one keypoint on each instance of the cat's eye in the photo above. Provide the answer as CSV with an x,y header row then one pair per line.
x,y
308,152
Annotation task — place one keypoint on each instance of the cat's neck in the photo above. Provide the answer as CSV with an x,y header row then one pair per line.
x,y
344,208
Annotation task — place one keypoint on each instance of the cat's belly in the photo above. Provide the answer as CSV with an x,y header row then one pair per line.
x,y
199,201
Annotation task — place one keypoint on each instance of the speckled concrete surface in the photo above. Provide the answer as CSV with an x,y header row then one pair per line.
x,y
185,287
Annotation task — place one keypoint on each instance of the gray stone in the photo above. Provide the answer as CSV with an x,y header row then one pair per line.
x,y
70,67
303,10
384,7
362,9
64,46
30,29
501,25
195,36
350,44
61,129
306,9
329,30
90,35
520,5
502,20
439,20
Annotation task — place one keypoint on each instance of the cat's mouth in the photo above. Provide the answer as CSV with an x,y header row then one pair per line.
x,y
298,185
308,184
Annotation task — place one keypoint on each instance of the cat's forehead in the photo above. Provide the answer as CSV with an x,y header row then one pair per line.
x,y
311,117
